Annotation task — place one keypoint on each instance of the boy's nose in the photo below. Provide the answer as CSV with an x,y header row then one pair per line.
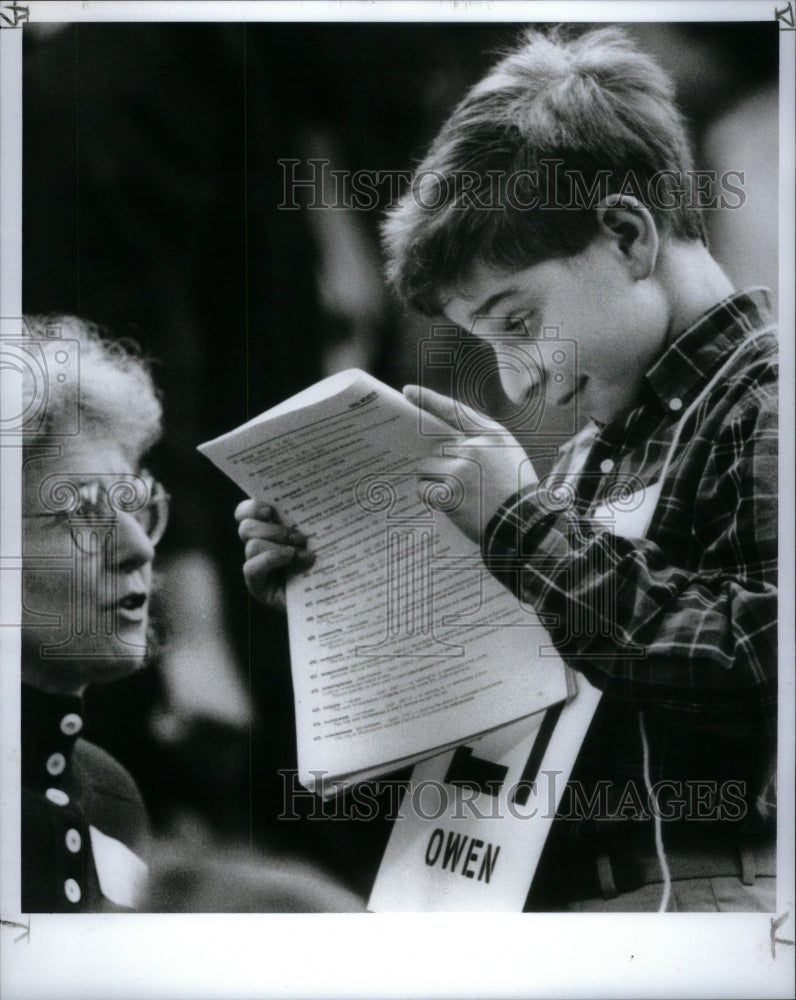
x,y
519,380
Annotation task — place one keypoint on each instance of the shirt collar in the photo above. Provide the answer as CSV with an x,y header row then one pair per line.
x,y
690,360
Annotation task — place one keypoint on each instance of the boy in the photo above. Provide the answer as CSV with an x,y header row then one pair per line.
x,y
560,194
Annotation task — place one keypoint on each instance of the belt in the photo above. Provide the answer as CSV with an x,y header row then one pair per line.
x,y
624,867
595,862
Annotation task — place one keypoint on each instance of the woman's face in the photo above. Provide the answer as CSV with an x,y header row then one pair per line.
x,y
87,566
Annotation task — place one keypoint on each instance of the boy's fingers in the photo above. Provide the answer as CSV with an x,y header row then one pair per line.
x,y
255,508
455,414
303,558
269,556
434,403
268,588
274,597
280,555
259,570
281,533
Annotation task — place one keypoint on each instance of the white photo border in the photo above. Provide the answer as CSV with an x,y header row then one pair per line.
x,y
456,955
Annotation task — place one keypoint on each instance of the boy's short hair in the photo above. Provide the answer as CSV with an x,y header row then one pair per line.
x,y
516,172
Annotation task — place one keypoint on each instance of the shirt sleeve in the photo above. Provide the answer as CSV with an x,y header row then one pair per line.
x,y
697,640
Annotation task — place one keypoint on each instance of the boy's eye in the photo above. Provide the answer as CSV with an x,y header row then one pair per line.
x,y
500,328
517,325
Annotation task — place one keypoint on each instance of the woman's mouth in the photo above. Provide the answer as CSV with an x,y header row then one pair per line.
x,y
132,607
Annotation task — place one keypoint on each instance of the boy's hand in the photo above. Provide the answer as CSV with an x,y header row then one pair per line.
x,y
491,465
270,547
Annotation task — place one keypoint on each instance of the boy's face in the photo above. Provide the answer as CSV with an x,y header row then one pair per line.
x,y
618,322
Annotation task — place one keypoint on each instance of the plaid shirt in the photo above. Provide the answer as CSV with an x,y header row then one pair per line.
x,y
681,623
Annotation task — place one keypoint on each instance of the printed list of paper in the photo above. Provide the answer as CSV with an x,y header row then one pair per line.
x,y
398,632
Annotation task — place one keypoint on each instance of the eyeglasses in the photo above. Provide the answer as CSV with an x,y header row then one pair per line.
x,y
100,502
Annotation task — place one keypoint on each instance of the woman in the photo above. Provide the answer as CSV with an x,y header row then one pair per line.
x,y
91,520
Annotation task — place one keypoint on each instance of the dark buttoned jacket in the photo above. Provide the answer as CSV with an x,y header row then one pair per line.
x,y
83,822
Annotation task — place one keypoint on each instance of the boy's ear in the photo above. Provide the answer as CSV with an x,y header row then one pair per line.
x,y
631,226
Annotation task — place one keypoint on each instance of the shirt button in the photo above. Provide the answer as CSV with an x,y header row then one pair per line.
x,y
57,797
606,465
675,404
55,764
73,841
71,724
72,890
